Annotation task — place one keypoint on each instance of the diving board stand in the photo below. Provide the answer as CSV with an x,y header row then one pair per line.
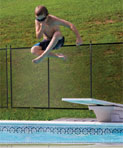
x,y
105,111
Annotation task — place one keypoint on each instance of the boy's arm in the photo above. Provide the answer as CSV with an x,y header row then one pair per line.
x,y
69,25
38,29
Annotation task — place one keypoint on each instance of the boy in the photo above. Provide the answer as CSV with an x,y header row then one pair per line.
x,y
47,25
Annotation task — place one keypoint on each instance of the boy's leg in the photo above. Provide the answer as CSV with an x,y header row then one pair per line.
x,y
37,50
51,45
60,56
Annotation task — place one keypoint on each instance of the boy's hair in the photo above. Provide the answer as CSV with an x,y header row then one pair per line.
x,y
40,10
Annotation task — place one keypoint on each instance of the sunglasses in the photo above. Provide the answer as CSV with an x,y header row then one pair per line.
x,y
41,20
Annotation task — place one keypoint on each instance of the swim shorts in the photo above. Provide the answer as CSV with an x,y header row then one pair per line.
x,y
45,43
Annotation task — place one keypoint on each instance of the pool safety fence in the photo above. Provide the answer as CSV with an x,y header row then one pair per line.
x,y
3,78
91,70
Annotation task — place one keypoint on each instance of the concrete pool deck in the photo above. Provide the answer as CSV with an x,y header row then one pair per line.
x,y
76,119
63,146
81,120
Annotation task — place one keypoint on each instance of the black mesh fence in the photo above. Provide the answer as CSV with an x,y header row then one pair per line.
x,y
29,81
3,79
44,85
70,78
108,72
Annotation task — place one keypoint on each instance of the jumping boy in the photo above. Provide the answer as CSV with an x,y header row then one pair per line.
x,y
47,25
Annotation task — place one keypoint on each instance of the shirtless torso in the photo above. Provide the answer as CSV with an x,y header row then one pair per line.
x,y
49,27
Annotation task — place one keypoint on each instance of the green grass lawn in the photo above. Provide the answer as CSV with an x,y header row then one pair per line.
x,y
96,20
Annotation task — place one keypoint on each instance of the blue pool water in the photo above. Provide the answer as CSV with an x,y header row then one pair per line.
x,y
14,132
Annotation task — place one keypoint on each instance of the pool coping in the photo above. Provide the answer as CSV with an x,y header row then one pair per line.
x,y
61,121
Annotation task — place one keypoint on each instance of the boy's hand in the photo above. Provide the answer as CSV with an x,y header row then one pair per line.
x,y
42,25
78,41
37,60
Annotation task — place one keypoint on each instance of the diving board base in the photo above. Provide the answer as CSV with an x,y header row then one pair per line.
x,y
105,111
108,113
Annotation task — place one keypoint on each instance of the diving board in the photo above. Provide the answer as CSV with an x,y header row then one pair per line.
x,y
90,101
105,111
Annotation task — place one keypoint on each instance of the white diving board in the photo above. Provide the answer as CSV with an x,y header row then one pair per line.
x,y
105,111
90,101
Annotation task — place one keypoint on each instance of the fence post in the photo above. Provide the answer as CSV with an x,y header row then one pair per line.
x,y
7,74
11,74
48,82
90,69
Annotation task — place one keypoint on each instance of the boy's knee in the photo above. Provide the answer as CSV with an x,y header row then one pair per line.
x,y
57,35
33,50
36,50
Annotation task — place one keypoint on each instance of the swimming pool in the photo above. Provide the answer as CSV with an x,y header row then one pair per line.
x,y
44,132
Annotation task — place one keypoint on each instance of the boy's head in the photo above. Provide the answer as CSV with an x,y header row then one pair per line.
x,y
41,10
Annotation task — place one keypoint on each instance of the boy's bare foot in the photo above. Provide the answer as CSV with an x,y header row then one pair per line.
x,y
63,57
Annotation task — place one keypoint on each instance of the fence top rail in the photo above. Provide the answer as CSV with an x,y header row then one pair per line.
x,y
2,48
95,44
72,45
